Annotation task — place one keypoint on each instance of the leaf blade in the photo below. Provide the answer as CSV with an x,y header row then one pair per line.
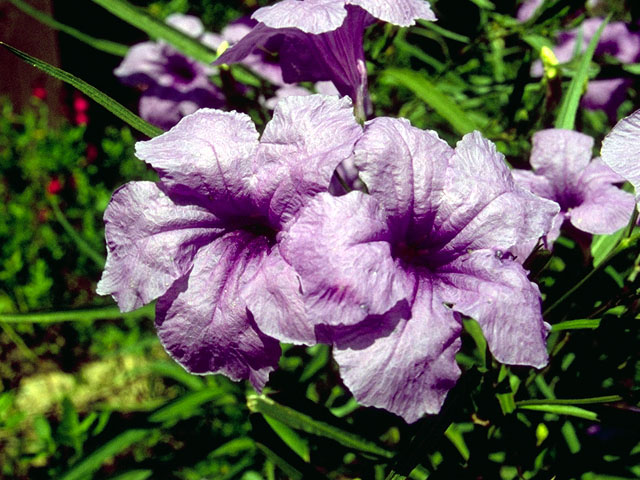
x,y
96,95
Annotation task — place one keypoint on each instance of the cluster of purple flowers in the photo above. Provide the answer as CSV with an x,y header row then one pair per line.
x,y
247,240
617,40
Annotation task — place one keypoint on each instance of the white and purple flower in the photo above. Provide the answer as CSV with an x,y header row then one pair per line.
x,y
173,85
617,41
243,245
585,189
621,150
195,239
317,40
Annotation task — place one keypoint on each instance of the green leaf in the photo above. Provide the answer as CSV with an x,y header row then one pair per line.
x,y
434,27
290,437
172,370
572,401
104,313
603,245
569,106
110,104
133,475
301,421
455,436
107,46
569,410
80,242
93,461
158,29
233,447
579,324
432,96
289,470
186,406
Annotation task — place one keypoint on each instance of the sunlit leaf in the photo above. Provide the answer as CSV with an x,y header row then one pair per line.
x,y
107,102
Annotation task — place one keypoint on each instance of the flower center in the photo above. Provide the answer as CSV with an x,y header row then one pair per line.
x,y
181,69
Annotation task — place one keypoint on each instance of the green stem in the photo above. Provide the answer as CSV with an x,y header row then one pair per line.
x,y
571,401
104,313
17,339
80,242
106,46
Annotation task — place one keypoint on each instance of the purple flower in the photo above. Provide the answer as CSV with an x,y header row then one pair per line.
x,y
260,62
621,150
204,238
323,39
386,276
584,188
173,84
617,41
527,9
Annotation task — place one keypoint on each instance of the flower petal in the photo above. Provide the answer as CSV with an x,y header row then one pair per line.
x,y
165,106
143,64
307,138
202,323
621,150
498,294
403,167
605,208
208,156
340,248
275,299
561,156
404,366
310,16
399,12
187,24
533,183
151,242
482,207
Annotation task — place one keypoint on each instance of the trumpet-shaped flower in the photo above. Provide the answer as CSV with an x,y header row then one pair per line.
x,y
564,172
173,84
621,150
617,41
385,276
201,239
319,40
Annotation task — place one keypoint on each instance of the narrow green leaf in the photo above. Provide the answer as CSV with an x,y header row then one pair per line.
x,y
572,401
294,441
570,436
569,410
455,436
170,369
301,421
432,96
107,46
603,245
93,461
133,475
569,106
632,68
233,447
444,32
107,102
80,242
186,406
104,313
158,29
289,470
579,324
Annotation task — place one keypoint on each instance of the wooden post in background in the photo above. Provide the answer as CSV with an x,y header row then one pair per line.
x,y
17,79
